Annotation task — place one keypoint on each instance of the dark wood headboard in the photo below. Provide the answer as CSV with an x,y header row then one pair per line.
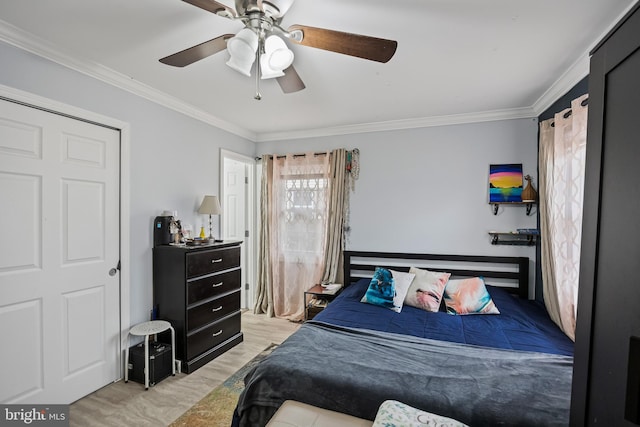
x,y
358,264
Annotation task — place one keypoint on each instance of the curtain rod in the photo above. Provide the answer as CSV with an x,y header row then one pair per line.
x,y
583,103
566,115
294,155
354,151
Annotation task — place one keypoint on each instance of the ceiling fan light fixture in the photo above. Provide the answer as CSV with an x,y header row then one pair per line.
x,y
243,67
266,72
242,51
276,57
271,56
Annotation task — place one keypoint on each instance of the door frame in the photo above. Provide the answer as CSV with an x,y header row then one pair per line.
x,y
250,213
36,101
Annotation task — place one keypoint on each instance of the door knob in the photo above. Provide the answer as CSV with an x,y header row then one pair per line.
x,y
114,270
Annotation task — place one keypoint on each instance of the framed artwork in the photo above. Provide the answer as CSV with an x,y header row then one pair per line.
x,y
505,183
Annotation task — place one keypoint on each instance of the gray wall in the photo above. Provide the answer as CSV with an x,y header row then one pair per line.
x,y
422,190
174,159
426,190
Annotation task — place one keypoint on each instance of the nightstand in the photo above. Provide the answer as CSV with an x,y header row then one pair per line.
x,y
315,300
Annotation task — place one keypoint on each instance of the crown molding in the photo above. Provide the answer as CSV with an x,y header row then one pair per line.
x,y
578,70
571,77
30,43
453,119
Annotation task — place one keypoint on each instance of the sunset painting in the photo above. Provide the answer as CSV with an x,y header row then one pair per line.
x,y
505,183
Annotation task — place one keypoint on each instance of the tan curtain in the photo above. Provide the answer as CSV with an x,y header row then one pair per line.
x,y
264,290
337,198
561,168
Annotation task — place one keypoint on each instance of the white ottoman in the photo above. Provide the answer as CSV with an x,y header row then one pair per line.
x,y
296,414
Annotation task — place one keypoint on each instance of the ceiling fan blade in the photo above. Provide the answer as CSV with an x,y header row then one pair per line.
x,y
212,6
197,52
291,81
371,48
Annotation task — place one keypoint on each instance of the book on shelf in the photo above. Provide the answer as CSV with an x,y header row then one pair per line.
x,y
528,231
318,302
331,288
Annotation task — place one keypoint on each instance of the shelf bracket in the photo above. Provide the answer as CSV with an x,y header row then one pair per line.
x,y
495,208
529,206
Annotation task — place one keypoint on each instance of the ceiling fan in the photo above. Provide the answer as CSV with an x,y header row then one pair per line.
x,y
261,41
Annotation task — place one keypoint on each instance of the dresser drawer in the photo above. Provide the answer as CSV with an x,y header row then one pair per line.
x,y
210,286
212,310
205,262
212,335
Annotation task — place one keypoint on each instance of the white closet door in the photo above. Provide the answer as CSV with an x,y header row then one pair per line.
x,y
234,211
59,238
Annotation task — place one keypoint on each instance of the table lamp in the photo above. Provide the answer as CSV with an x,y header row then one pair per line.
x,y
210,205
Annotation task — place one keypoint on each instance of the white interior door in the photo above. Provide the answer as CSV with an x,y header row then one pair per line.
x,y
59,306
236,173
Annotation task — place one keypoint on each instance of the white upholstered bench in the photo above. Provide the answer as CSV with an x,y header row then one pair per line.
x,y
296,414
390,413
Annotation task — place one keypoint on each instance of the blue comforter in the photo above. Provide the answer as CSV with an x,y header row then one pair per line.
x,y
512,368
522,325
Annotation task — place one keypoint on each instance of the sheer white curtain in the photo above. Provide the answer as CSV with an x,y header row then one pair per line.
x,y
304,214
561,182
299,220
296,216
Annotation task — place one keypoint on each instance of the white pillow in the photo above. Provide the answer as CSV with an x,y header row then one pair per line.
x,y
403,282
426,289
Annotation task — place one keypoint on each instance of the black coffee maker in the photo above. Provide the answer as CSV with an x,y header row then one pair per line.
x,y
162,230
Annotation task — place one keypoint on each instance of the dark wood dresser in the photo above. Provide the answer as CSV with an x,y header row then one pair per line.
x,y
197,289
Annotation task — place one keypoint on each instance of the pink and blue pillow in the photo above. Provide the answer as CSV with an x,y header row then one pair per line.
x,y
468,296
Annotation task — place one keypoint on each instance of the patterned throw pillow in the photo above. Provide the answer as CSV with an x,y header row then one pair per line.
x,y
468,296
426,289
388,289
397,414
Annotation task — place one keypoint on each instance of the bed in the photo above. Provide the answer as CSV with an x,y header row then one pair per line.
x,y
512,368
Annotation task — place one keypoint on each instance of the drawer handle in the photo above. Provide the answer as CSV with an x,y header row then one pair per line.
x,y
213,261
213,310
217,333
215,285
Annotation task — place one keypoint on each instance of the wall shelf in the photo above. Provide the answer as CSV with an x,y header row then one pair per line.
x,y
528,206
513,238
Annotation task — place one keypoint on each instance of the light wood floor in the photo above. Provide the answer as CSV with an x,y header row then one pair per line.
x,y
125,405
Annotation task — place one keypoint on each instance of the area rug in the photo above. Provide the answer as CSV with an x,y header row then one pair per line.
x,y
216,408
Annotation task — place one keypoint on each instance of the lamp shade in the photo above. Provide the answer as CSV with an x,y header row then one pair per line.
x,y
210,205
276,57
242,51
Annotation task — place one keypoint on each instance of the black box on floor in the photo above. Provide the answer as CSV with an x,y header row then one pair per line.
x,y
159,362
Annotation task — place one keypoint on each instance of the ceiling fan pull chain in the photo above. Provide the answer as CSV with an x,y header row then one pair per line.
x,y
258,95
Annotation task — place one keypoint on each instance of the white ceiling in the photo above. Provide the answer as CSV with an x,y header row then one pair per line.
x,y
457,60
